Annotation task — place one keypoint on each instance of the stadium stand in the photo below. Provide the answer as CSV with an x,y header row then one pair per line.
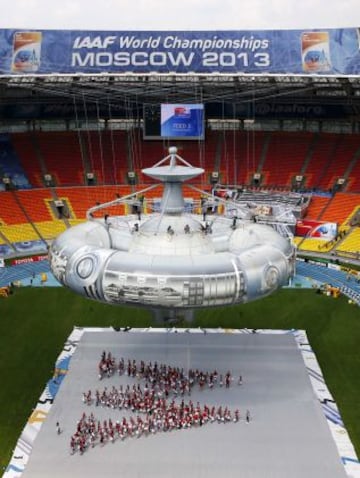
x,y
341,208
107,155
62,156
278,156
80,199
351,243
147,154
316,206
24,146
11,212
315,245
346,145
211,153
10,165
354,178
50,229
36,204
323,148
241,154
20,233
286,154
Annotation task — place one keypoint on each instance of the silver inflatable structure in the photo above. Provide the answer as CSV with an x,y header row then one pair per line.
x,y
173,259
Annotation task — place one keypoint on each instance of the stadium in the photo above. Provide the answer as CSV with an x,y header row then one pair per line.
x,y
276,131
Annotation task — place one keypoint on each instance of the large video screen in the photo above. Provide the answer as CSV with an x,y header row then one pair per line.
x,y
174,121
182,121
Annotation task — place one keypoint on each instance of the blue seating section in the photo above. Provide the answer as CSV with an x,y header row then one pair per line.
x,y
10,165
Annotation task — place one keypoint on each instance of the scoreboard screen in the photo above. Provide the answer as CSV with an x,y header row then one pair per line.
x,y
174,121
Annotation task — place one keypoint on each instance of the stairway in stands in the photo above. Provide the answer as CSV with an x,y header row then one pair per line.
x,y
107,153
344,150
61,154
317,205
340,208
285,156
323,151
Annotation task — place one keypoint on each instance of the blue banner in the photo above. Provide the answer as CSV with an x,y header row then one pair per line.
x,y
304,52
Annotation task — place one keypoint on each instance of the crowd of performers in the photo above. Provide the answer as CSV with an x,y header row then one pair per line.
x,y
154,403
169,378
170,416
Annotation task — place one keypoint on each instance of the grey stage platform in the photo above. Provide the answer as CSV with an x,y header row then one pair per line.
x,y
287,438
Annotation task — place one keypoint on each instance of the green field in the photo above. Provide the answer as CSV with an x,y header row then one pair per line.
x,y
34,324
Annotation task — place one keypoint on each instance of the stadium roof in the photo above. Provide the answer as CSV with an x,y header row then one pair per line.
x,y
155,88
